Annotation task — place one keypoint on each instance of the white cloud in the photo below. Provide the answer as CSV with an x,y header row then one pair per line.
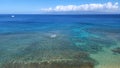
x,y
109,6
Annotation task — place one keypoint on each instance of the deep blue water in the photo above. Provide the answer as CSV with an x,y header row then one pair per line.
x,y
41,38
40,22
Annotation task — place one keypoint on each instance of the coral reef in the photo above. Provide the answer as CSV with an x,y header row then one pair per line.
x,y
44,52
66,64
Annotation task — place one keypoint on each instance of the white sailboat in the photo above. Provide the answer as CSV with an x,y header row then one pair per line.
x,y
12,16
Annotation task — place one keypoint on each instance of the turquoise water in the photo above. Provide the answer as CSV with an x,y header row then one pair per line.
x,y
60,41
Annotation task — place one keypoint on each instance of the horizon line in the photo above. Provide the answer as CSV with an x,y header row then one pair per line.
x,y
57,14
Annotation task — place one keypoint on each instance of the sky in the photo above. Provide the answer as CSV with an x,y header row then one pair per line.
x,y
59,6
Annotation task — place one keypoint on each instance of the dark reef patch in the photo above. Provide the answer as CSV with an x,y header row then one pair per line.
x,y
104,29
116,50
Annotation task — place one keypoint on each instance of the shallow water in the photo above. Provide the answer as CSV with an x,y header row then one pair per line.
x,y
59,41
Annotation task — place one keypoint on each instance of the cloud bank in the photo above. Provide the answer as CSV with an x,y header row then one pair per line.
x,y
106,7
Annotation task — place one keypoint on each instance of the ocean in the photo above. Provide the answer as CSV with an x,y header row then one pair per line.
x,y
59,41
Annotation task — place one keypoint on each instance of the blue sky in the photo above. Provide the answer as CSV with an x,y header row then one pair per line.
x,y
50,6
